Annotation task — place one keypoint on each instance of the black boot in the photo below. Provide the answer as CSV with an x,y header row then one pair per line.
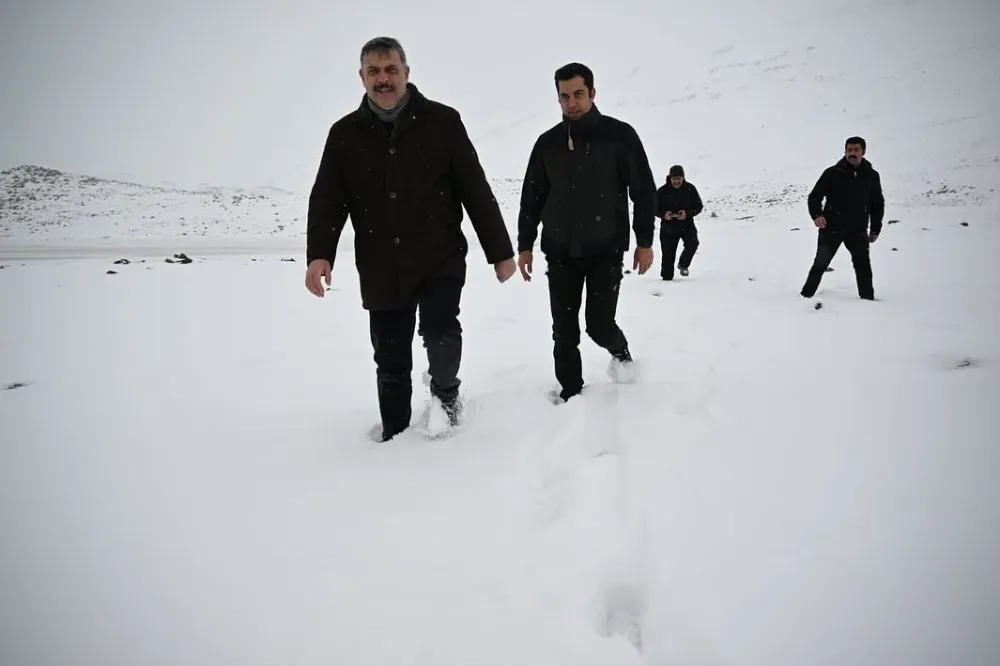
x,y
452,405
567,393
394,394
623,356
621,370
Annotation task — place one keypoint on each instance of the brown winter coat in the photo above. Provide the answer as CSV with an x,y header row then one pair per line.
x,y
404,189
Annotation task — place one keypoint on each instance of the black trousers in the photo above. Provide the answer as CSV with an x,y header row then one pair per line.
x,y
671,234
392,340
827,244
600,278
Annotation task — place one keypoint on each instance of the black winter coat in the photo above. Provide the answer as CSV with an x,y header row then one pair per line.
x,y
853,197
676,199
403,186
580,195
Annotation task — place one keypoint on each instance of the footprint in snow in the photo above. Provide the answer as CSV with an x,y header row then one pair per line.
x,y
621,613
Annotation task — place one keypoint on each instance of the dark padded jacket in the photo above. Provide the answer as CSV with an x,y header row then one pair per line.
x,y
580,195
853,197
676,199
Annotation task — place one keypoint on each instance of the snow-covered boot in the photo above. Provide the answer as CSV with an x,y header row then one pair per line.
x,y
621,370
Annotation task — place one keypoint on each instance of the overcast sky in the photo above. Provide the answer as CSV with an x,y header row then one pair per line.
x,y
242,93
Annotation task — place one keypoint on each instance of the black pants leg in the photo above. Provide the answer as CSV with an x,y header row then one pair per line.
x,y
566,281
689,234
858,245
603,280
827,244
669,238
439,302
392,341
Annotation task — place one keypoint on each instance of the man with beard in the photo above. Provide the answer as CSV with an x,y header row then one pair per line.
x,y
853,192
579,178
677,204
403,166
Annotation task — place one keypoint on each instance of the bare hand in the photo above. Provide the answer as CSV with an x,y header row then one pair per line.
x,y
682,215
820,222
505,269
872,237
643,259
319,269
524,263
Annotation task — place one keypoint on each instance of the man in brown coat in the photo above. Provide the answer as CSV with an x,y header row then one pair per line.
x,y
403,166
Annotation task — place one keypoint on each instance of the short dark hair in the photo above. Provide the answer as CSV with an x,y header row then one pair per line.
x,y
383,45
573,69
857,140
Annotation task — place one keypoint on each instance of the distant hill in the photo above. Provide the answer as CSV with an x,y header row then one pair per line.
x,y
39,204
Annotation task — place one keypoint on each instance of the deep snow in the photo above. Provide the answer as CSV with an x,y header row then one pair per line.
x,y
185,472
187,477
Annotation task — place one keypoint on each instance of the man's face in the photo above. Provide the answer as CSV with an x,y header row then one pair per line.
x,y
854,153
574,98
384,77
676,181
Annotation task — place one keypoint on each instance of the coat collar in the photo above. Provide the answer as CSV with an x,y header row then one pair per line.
x,y
586,124
844,165
416,106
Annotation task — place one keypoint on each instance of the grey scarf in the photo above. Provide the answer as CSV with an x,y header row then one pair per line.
x,y
389,115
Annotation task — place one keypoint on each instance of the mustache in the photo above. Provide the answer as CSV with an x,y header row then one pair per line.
x,y
384,87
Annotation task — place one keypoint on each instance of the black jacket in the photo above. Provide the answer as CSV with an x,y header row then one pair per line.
x,y
580,196
852,197
676,199
404,188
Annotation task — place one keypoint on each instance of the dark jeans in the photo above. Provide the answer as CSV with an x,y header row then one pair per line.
x,y
827,244
671,234
392,339
568,278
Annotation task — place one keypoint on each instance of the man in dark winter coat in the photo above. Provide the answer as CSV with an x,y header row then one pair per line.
x,y
402,166
853,193
580,176
677,204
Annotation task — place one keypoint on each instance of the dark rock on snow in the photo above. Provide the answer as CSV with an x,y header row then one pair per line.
x,y
179,258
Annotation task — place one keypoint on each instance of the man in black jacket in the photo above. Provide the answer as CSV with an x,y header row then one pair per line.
x,y
677,204
853,192
403,168
580,176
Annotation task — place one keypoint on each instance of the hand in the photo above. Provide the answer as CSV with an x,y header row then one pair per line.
x,y
820,222
319,269
643,259
524,263
682,215
872,237
504,269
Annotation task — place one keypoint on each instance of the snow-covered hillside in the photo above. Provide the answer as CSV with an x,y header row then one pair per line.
x,y
753,120
42,207
38,204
